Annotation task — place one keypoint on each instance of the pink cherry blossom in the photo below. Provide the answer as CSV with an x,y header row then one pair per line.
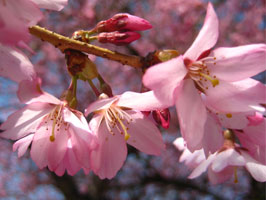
x,y
222,166
117,121
57,133
218,74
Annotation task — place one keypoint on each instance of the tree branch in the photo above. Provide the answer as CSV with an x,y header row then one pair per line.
x,y
63,43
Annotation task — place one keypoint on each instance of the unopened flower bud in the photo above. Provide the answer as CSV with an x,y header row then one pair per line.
x,y
167,54
118,38
162,117
123,21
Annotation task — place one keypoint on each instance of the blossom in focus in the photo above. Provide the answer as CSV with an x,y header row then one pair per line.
x,y
58,134
181,81
117,121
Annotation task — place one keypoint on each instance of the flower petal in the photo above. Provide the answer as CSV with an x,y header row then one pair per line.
x,y
140,101
69,162
256,169
16,17
23,144
100,104
213,139
164,78
207,36
229,157
44,152
30,91
51,4
220,177
192,115
24,121
15,65
203,166
240,96
237,63
144,135
111,153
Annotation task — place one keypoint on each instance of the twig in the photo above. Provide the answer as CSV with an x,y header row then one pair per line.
x,y
63,43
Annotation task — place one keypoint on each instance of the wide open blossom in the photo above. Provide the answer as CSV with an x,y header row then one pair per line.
x,y
118,121
216,74
58,134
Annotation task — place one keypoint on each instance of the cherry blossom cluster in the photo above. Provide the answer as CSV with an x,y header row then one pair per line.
x,y
220,107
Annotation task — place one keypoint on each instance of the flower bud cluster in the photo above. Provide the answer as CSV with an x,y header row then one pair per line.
x,y
121,29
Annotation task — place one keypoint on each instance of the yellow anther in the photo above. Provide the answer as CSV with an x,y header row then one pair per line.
x,y
127,136
123,127
52,139
214,81
228,115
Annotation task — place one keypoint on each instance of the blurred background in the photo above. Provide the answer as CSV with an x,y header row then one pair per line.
x,y
175,26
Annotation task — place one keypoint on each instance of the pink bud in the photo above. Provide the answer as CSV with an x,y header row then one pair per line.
x,y
162,117
118,38
123,21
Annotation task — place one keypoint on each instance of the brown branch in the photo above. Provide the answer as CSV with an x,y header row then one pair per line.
x,y
63,43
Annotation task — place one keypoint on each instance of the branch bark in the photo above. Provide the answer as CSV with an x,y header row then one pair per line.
x,y
63,43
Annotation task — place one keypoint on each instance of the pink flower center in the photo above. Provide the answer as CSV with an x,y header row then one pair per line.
x,y
115,117
199,72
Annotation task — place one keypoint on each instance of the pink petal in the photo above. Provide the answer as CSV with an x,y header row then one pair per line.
x,y
220,177
192,115
235,121
140,101
256,169
25,120
17,16
229,157
202,167
15,65
81,137
179,144
30,91
57,148
44,152
164,78
192,160
207,36
237,63
144,135
69,162
51,4
110,155
240,96
100,104
23,144
213,138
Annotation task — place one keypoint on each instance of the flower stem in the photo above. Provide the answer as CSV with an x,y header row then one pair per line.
x,y
63,43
